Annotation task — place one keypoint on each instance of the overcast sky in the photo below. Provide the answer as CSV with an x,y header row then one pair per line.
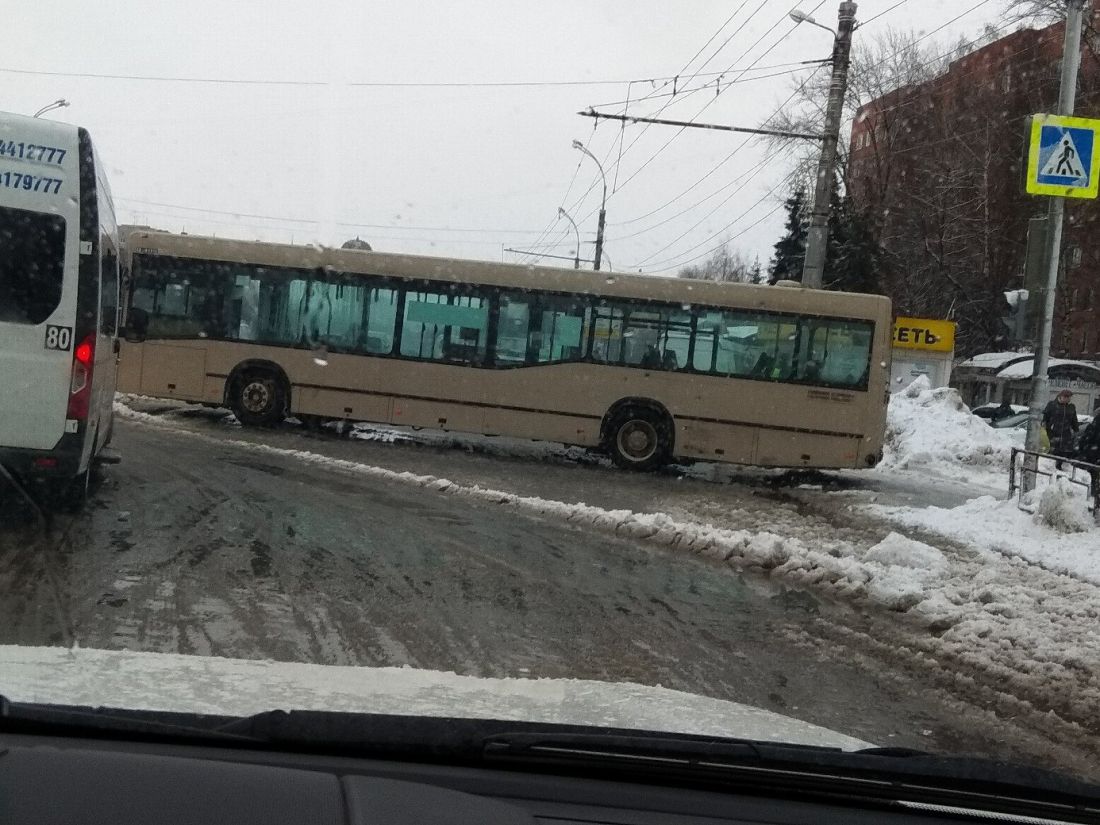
x,y
313,129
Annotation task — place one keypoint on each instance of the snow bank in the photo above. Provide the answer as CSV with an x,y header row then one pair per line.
x,y
933,430
239,687
1001,527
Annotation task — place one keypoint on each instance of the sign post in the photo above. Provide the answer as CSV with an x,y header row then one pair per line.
x,y
1062,155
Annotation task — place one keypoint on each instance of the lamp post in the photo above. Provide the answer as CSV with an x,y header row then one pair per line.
x,y
817,237
60,103
603,204
577,256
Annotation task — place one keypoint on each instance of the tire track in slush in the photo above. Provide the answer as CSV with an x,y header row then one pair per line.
x,y
38,547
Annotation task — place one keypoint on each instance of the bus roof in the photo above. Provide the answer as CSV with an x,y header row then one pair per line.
x,y
40,128
612,284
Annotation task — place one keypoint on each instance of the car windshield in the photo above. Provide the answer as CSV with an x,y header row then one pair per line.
x,y
620,364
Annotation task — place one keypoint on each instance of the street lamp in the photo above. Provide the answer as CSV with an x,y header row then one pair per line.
x,y
577,256
817,236
799,16
603,203
60,103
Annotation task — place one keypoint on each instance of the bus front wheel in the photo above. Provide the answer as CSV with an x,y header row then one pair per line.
x,y
259,399
639,439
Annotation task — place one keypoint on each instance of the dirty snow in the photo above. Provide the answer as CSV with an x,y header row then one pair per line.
x,y
990,601
932,430
1063,507
1001,527
904,570
238,687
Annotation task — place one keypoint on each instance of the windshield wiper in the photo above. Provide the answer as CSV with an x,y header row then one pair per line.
x,y
26,717
894,776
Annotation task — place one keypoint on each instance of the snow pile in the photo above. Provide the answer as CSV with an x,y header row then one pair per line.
x,y
903,571
997,526
1063,506
932,429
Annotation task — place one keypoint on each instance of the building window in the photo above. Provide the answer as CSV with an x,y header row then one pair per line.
x,y
1074,256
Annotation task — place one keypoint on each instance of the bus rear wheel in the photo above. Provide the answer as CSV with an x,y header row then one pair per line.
x,y
639,439
258,399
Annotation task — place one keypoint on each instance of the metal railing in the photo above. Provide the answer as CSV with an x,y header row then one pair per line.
x,y
1081,473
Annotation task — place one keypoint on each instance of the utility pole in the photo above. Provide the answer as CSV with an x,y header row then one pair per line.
x,y
818,235
1040,382
603,205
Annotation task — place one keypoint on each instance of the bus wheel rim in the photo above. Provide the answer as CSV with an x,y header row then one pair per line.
x,y
256,396
637,440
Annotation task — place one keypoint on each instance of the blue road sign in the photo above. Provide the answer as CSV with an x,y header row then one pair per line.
x,y
1062,157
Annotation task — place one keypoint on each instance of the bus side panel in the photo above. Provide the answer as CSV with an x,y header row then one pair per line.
x,y
169,371
440,414
566,429
716,442
105,374
312,400
129,367
793,449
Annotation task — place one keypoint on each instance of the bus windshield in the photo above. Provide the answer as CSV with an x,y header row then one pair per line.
x,y
32,257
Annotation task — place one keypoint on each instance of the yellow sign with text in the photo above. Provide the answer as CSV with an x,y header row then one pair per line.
x,y
924,333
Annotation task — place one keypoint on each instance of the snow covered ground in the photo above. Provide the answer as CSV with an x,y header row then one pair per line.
x,y
239,687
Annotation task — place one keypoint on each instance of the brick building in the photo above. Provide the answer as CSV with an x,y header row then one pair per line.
x,y
939,165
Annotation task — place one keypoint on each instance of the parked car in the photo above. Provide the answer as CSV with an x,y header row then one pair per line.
x,y
989,411
1017,419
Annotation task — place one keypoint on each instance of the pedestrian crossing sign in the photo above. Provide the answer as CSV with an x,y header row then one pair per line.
x,y
1062,156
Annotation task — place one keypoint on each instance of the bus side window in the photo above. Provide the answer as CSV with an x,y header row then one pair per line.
x,y
262,304
336,314
845,352
513,328
443,327
607,343
108,292
381,320
558,330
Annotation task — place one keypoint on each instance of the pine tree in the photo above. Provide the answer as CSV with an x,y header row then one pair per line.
x,y
756,275
853,258
790,250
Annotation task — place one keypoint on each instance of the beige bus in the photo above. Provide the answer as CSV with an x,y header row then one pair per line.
x,y
649,369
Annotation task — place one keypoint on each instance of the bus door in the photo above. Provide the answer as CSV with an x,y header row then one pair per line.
x,y
39,251
37,315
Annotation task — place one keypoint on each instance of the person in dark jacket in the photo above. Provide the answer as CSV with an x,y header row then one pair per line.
x,y
1088,448
1060,420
